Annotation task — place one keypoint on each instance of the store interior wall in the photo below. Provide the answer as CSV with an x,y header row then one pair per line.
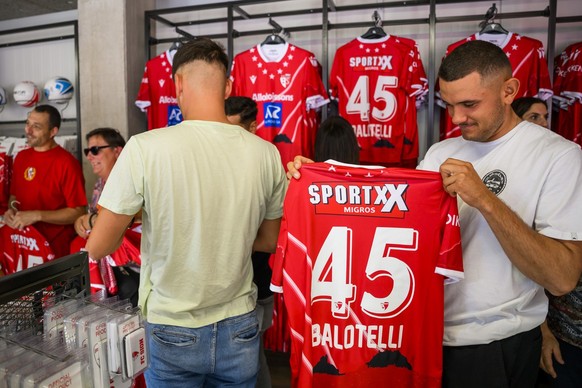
x,y
112,45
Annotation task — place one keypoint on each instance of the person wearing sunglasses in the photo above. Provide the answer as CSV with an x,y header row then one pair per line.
x,y
47,188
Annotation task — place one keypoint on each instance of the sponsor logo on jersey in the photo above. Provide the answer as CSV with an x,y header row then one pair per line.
x,y
253,79
29,173
161,82
167,100
359,198
495,181
261,97
174,115
273,114
25,242
373,62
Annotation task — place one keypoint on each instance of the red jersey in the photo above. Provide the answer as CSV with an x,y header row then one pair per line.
x,y
362,259
528,62
22,249
157,92
49,180
568,93
285,82
5,173
374,82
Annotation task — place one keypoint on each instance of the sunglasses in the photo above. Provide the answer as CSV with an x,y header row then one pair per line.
x,y
95,150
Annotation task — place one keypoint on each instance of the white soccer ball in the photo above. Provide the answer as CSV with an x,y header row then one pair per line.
x,y
26,94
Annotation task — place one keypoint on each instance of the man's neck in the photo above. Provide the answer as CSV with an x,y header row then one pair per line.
x,y
47,146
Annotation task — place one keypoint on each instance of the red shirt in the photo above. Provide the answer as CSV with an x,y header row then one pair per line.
x,y
49,180
157,92
377,83
284,80
22,249
568,93
362,258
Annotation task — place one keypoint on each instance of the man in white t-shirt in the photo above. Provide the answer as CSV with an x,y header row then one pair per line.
x,y
201,221
519,188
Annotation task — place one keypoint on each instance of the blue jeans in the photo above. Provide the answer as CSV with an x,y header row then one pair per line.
x,y
225,353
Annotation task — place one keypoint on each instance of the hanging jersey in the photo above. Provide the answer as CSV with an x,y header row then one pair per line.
x,y
22,249
5,173
528,62
362,259
568,93
157,93
373,81
285,83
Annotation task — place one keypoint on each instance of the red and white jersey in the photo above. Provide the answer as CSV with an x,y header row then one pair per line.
x,y
568,93
373,80
22,249
285,82
528,62
5,174
157,92
362,259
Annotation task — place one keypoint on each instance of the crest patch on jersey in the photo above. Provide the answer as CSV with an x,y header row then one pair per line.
x,y
495,181
29,173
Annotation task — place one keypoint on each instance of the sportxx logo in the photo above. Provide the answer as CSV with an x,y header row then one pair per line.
x,y
359,198
381,62
27,242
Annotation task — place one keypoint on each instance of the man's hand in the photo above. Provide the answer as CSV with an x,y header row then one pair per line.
x,y
550,350
460,178
21,219
294,166
82,226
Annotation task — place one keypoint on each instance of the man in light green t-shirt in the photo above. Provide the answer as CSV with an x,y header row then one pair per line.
x,y
202,218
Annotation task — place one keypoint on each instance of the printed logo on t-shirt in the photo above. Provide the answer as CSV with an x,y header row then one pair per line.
x,y
495,181
174,115
29,173
273,114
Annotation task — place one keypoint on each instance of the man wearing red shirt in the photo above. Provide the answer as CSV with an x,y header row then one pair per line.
x,y
47,188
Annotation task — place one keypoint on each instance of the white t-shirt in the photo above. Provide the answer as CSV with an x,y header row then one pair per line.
x,y
538,174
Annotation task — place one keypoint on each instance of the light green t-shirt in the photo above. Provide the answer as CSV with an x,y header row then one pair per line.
x,y
205,188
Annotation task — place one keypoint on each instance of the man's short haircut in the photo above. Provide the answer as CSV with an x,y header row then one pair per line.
x,y
111,136
54,115
243,106
522,105
475,56
200,49
335,139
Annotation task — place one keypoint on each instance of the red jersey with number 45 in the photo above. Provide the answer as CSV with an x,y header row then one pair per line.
x,y
362,260
284,81
373,80
22,249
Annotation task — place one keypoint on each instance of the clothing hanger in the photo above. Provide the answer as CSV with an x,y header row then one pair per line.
x,y
275,37
375,32
488,26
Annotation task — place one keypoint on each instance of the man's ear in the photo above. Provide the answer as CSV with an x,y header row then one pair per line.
x,y
253,127
53,132
227,88
510,89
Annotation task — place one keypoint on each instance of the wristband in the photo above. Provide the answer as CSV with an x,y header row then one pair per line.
x,y
91,219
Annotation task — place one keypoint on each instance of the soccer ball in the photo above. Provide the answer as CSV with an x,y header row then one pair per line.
x,y
26,94
3,99
58,89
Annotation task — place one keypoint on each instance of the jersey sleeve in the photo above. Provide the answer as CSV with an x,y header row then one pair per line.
x,y
144,100
450,261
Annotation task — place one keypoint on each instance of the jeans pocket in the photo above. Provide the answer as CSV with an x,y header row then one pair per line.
x,y
174,337
247,333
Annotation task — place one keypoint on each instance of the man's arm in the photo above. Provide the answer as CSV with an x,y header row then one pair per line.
x,y
554,264
107,233
65,216
266,240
